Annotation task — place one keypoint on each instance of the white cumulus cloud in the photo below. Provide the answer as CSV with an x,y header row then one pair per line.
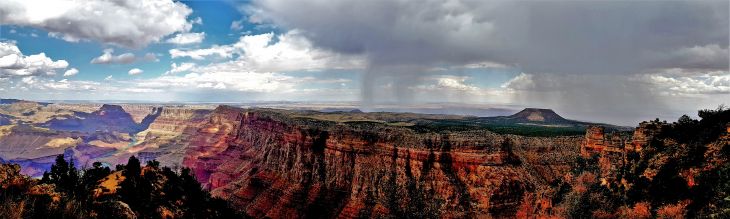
x,y
182,67
14,63
268,52
520,82
223,79
199,54
71,72
454,83
129,23
68,85
707,83
126,58
135,71
186,38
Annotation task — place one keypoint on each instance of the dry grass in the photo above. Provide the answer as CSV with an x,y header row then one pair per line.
x,y
110,183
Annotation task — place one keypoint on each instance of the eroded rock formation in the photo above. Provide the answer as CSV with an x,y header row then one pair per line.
x,y
277,165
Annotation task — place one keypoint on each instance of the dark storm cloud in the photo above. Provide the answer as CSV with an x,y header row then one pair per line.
x,y
538,36
592,97
584,55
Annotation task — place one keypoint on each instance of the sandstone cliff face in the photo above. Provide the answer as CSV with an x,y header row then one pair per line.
x,y
644,133
595,141
168,136
177,119
598,141
275,165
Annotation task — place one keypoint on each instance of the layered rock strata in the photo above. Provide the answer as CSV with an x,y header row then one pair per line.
x,y
273,164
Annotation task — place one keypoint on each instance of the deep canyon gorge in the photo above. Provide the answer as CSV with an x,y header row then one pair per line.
x,y
274,163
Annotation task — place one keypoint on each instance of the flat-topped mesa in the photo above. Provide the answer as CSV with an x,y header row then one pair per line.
x,y
538,115
109,108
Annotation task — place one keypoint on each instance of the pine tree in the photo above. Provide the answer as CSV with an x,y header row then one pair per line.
x,y
129,188
64,175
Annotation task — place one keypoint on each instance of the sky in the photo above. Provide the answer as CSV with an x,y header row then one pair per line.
x,y
611,61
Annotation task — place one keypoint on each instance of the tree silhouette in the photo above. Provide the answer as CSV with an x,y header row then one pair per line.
x,y
148,192
130,189
64,175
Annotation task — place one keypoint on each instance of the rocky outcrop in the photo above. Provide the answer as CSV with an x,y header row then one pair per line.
x,y
274,164
597,141
644,133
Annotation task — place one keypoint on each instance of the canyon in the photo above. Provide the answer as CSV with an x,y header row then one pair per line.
x,y
274,163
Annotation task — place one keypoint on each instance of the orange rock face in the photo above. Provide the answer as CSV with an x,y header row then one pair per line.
x,y
644,133
597,141
276,165
614,147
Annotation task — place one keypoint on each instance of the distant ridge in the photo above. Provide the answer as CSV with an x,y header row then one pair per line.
x,y
14,101
108,117
9,101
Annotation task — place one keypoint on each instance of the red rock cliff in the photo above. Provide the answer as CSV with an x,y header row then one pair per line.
x,y
272,164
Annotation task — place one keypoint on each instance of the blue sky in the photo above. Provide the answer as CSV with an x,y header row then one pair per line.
x,y
217,18
217,15
668,57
